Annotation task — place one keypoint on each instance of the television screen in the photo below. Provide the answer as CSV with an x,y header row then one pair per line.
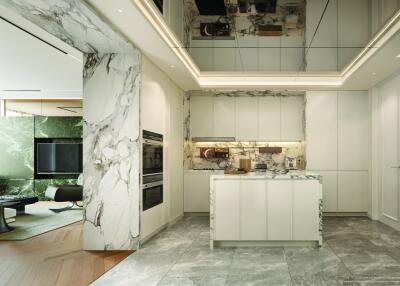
x,y
56,158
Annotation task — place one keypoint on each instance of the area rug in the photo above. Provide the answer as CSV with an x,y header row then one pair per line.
x,y
38,219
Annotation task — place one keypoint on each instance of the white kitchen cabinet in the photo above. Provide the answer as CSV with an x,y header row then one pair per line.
x,y
253,210
292,108
329,190
279,210
353,130
224,117
352,191
201,116
246,119
197,191
227,215
269,119
321,130
306,195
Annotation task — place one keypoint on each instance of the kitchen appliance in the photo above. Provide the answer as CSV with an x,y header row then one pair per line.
x,y
153,190
216,29
245,164
291,163
152,153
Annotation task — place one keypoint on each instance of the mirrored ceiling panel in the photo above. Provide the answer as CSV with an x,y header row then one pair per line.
x,y
275,35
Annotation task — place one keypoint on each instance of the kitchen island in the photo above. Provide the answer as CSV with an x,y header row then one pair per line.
x,y
262,209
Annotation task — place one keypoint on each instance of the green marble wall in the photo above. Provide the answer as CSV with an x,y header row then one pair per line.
x,y
16,145
58,127
17,151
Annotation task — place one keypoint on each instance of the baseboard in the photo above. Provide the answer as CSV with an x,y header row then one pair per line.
x,y
175,220
149,236
265,243
346,214
196,214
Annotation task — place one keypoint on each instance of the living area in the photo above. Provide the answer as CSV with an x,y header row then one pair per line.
x,y
40,166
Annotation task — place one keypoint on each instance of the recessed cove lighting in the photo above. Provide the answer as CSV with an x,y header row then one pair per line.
x,y
120,10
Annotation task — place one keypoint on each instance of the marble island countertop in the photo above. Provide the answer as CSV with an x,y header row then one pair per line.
x,y
297,175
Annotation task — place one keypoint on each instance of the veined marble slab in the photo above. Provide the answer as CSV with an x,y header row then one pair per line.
x,y
270,176
111,151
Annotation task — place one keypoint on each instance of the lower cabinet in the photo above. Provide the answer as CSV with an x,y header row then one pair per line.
x,y
196,191
227,204
280,204
259,209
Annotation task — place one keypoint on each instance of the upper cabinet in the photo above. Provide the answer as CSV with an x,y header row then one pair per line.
x,y
202,116
269,118
224,117
292,121
248,118
33,68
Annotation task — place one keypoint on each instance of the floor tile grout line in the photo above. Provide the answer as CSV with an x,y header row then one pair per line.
x,y
180,256
287,263
230,266
348,269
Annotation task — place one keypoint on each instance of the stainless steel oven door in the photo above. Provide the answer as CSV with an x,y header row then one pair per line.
x,y
152,194
152,157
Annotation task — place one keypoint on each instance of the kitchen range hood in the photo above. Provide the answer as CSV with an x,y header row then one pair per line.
x,y
213,139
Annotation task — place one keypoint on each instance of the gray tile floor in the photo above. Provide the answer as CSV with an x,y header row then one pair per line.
x,y
357,251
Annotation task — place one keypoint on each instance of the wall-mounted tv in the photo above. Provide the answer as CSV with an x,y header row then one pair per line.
x,y
59,158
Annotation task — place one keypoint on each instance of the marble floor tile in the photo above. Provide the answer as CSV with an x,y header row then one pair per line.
x,y
193,281
315,261
356,252
201,261
272,279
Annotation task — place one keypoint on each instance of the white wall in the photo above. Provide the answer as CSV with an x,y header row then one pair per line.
x,y
162,112
30,68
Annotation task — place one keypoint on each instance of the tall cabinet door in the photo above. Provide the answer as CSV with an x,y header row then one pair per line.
x,y
253,211
227,205
224,117
246,119
279,208
201,116
321,137
390,153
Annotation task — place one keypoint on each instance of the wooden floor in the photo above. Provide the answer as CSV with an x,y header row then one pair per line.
x,y
54,258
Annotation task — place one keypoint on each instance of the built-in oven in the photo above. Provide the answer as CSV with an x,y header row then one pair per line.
x,y
152,191
152,153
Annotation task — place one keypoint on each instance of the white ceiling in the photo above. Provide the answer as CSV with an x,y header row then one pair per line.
x,y
156,41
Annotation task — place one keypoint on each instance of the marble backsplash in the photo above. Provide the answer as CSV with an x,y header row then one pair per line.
x,y
243,150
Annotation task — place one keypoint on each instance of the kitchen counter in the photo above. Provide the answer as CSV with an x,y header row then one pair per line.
x,y
266,209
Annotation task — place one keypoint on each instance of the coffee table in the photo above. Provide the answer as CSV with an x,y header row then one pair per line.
x,y
22,201
4,227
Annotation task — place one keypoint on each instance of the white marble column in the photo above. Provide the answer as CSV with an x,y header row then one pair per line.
x,y
111,151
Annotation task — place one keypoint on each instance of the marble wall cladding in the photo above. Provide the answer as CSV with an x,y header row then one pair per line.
x,y
111,151
58,127
243,150
16,145
244,93
73,22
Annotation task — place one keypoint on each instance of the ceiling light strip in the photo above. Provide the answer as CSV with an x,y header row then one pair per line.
x,y
389,29
158,23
